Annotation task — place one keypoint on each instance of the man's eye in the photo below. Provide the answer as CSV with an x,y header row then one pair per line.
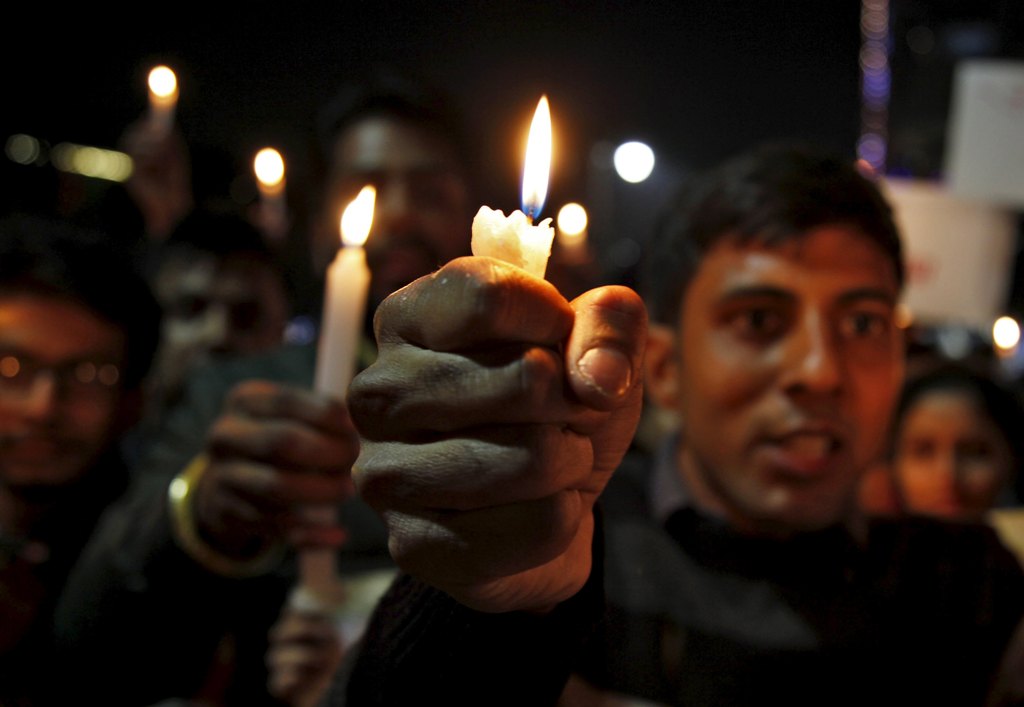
x,y
919,449
758,322
864,324
188,307
245,315
975,450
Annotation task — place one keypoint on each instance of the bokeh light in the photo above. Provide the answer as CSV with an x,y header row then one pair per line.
x,y
1006,333
269,166
876,81
634,161
95,162
903,317
23,149
162,81
572,220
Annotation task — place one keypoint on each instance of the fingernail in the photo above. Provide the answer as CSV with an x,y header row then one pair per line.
x,y
607,370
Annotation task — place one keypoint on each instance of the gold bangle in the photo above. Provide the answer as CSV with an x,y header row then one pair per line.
x,y
180,499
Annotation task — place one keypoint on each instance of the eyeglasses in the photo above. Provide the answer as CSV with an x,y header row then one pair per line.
x,y
75,379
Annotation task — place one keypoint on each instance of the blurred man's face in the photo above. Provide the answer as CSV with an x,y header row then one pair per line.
x,y
421,219
231,304
788,363
59,389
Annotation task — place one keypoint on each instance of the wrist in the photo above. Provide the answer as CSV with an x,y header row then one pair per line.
x,y
181,499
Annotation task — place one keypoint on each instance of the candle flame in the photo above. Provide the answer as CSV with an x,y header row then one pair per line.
x,y
162,82
538,161
269,167
358,217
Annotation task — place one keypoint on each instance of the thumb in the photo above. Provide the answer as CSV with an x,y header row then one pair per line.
x,y
605,351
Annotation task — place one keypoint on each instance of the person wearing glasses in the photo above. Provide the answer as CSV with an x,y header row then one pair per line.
x,y
78,329
175,589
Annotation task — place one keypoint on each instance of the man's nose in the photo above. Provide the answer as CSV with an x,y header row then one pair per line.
x,y
215,332
395,207
814,359
41,399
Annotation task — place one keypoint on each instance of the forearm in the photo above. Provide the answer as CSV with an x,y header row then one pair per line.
x,y
422,645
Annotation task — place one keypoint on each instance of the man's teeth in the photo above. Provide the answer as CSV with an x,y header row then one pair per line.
x,y
808,445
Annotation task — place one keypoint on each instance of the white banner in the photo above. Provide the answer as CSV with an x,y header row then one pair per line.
x,y
959,253
985,139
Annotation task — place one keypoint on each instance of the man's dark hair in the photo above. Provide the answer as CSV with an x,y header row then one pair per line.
x,y
770,195
386,91
218,233
222,235
51,258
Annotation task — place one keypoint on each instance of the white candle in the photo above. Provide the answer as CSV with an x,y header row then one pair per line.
x,y
348,281
163,98
514,238
273,212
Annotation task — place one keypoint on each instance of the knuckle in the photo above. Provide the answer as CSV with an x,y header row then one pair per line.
x,y
539,372
242,392
222,435
371,400
491,301
284,442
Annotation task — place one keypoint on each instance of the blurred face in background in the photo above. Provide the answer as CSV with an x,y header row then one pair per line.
x,y
60,391
421,219
951,460
228,304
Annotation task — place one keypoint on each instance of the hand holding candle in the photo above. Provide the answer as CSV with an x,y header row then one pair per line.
x,y
514,238
462,453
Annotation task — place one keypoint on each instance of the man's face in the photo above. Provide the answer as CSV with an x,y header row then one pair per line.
x,y
789,365
421,219
59,390
231,304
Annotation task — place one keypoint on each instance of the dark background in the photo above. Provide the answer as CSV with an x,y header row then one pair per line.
x,y
699,80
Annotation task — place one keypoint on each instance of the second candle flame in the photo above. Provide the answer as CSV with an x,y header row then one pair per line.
x,y
358,217
537,167
269,167
163,84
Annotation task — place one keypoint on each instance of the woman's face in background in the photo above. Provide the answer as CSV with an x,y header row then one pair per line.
x,y
951,459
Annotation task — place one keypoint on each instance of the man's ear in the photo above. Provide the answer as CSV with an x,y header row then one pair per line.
x,y
662,368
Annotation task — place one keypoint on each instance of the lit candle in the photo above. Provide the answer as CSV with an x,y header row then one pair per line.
x,y
273,213
348,280
514,238
572,233
163,98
